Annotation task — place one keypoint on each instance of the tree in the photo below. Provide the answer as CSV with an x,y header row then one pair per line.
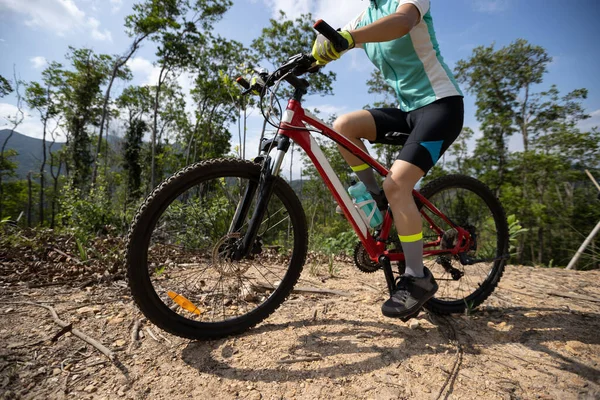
x,y
137,102
131,160
216,97
148,18
81,91
538,184
5,87
497,78
7,167
175,44
45,100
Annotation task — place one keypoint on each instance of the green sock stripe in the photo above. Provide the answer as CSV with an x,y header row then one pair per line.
x,y
411,238
359,168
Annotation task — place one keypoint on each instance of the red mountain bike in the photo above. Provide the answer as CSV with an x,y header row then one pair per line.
x,y
218,247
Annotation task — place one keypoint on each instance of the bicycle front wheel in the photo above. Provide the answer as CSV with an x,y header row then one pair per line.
x,y
465,280
181,271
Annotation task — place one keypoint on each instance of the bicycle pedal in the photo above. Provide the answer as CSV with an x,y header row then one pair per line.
x,y
411,316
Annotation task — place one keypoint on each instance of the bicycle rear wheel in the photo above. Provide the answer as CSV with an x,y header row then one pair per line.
x,y
465,284
179,256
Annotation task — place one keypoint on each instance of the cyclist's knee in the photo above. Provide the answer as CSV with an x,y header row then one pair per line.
x,y
397,191
346,125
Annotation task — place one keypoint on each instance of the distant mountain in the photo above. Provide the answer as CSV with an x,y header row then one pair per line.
x,y
29,157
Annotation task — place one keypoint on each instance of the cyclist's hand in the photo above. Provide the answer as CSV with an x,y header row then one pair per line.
x,y
323,50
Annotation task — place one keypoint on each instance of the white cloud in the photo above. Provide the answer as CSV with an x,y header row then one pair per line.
x,y
38,62
144,68
31,125
116,5
94,24
59,16
592,122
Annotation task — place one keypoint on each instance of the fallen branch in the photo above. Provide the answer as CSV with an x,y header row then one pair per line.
x,y
99,346
66,255
64,330
165,339
134,334
152,335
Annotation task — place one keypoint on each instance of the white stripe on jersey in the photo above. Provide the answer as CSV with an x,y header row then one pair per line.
x,y
440,82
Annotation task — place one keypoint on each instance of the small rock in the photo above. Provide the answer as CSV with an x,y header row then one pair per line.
x,y
90,389
56,371
116,320
414,324
88,309
254,395
119,343
574,347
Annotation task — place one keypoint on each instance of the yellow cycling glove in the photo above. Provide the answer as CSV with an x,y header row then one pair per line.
x,y
323,50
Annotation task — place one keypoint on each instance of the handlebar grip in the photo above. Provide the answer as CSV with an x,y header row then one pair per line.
x,y
243,83
339,43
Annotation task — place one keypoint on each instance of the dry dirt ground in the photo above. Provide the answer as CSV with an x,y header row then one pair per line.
x,y
525,342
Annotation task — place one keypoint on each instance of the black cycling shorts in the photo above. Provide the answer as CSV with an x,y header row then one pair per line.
x,y
425,133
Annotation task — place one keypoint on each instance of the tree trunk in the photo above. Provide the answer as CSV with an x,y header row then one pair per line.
x,y
29,200
55,193
42,168
154,128
118,64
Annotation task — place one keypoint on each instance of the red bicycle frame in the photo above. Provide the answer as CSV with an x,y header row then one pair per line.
x,y
293,125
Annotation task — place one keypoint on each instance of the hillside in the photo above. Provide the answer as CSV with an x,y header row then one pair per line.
x,y
535,337
29,151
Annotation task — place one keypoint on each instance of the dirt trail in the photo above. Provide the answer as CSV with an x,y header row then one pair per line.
x,y
525,342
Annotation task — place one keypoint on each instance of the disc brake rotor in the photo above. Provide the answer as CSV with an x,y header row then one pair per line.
x,y
222,256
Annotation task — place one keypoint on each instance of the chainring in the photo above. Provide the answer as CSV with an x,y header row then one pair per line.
x,y
362,260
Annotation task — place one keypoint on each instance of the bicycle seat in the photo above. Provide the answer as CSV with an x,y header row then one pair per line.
x,y
397,138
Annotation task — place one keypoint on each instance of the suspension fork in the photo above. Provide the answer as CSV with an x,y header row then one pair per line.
x,y
263,191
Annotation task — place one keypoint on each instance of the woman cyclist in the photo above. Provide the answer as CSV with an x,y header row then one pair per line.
x,y
399,39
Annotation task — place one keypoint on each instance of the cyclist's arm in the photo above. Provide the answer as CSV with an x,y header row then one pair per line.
x,y
393,26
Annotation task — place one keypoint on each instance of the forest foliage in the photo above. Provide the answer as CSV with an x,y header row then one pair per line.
x,y
89,185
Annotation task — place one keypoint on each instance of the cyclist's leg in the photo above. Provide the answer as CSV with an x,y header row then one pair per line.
x,y
356,126
371,125
434,128
398,188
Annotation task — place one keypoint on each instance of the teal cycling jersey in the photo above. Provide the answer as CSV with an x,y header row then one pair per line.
x,y
411,64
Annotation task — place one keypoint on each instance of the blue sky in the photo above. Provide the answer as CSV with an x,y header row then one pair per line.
x,y
33,32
